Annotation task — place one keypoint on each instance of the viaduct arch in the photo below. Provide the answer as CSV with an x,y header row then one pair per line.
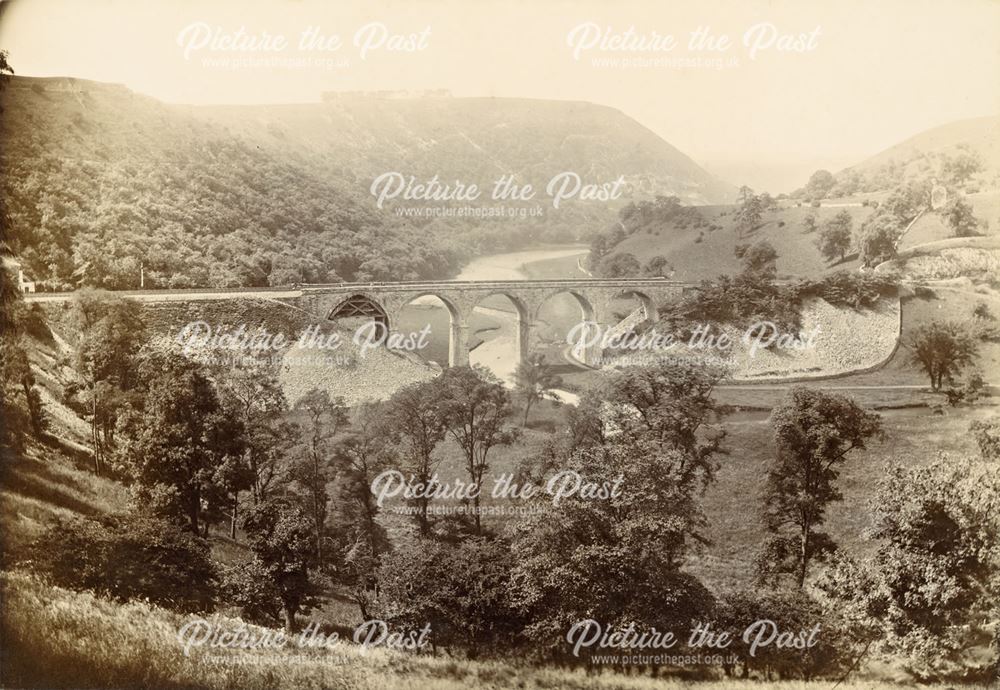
x,y
385,301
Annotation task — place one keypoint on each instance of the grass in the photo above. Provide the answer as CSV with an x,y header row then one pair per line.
x,y
55,638
914,437
44,486
696,259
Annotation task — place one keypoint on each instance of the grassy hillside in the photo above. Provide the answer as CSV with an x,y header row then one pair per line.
x,y
918,154
55,638
701,245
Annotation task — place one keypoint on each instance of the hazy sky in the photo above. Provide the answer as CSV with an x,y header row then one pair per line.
x,y
869,73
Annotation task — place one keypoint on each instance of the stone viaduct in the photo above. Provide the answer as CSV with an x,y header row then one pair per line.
x,y
384,302
598,299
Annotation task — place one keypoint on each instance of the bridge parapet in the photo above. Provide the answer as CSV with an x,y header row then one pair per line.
x,y
595,297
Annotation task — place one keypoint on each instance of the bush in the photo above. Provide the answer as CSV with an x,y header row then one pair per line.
x,y
738,610
129,557
857,290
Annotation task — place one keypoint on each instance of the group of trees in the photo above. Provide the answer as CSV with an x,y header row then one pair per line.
x,y
197,444
20,401
927,596
957,168
637,218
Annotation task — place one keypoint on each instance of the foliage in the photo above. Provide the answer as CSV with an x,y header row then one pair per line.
x,y
418,427
177,435
280,536
461,590
618,560
129,557
758,258
534,380
813,431
363,453
658,267
110,332
619,265
962,166
987,435
928,595
820,183
849,289
748,213
474,407
794,610
741,301
312,467
835,238
650,432
877,238
942,349
958,214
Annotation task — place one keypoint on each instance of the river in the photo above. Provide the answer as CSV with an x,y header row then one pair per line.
x,y
493,326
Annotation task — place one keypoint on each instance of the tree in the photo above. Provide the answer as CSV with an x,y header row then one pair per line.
x,y
280,535
362,454
419,425
749,211
20,403
958,214
758,258
461,590
669,405
927,597
619,560
619,265
790,610
252,393
877,238
534,381
325,417
598,250
820,183
658,267
813,433
809,223
474,406
942,349
111,332
960,168
176,436
835,238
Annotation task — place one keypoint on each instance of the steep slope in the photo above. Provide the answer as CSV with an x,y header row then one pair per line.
x,y
980,135
475,140
931,154
107,187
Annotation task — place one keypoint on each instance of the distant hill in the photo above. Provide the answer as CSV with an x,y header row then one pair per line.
x,y
105,185
475,140
980,135
925,155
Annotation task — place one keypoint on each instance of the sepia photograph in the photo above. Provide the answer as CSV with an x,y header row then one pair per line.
x,y
534,344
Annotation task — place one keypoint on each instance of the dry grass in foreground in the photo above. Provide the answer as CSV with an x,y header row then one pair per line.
x,y
57,638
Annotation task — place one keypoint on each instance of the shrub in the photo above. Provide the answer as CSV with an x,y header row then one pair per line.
x,y
129,557
843,288
736,611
